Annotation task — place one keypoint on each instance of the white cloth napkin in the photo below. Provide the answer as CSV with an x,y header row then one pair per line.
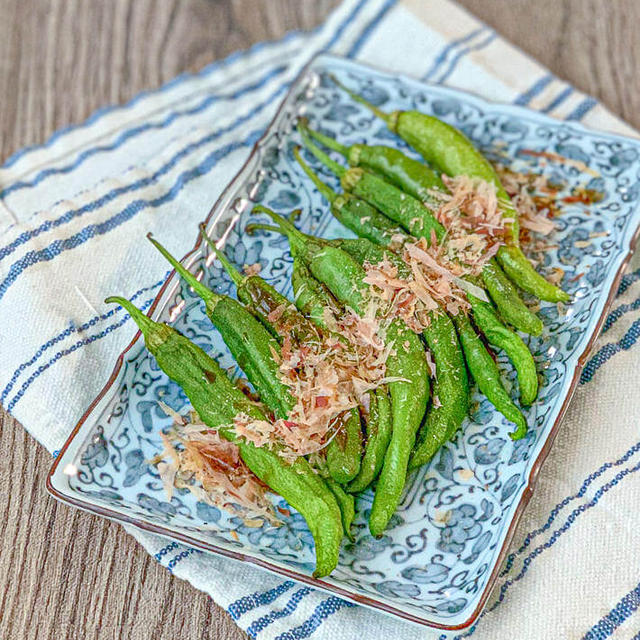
x,y
73,213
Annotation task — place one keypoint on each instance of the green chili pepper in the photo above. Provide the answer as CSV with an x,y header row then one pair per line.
x,y
485,372
410,175
378,429
253,347
217,402
346,502
506,296
354,213
394,203
451,386
344,278
511,343
452,153
262,300
519,269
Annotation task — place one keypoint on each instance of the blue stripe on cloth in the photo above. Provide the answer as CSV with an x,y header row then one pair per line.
x,y
258,599
71,329
609,623
573,516
49,224
561,505
368,30
609,350
582,109
536,88
114,327
326,608
259,625
618,313
130,211
65,352
338,31
181,556
138,184
627,280
99,113
442,56
454,63
208,69
558,100
129,134
637,636
163,552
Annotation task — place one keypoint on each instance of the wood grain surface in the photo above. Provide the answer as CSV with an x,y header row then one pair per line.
x,y
69,575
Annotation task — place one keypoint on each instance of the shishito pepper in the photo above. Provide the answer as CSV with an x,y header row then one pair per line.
x,y
218,401
264,301
451,152
253,348
398,203
406,365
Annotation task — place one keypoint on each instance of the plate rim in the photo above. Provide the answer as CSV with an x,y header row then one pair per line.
x,y
266,564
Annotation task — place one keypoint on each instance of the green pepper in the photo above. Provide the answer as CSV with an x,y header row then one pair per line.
x,y
253,347
356,214
347,506
217,402
505,296
511,343
451,152
484,371
378,429
410,175
344,278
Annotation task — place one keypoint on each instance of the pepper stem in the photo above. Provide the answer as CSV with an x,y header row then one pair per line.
x,y
144,322
327,141
297,239
387,117
254,226
324,189
332,165
204,292
234,273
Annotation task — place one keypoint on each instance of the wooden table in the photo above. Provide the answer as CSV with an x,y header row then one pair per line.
x,y
66,574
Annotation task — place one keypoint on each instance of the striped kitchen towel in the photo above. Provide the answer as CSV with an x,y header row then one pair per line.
x,y
72,214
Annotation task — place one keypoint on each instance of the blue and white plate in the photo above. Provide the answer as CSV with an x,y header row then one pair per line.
x,y
441,554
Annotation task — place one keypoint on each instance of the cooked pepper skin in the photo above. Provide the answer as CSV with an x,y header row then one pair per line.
x,y
217,401
252,344
378,428
397,203
410,175
449,151
488,323
451,387
344,277
505,296
484,371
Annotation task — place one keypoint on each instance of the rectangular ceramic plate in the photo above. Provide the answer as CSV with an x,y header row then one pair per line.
x,y
440,556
